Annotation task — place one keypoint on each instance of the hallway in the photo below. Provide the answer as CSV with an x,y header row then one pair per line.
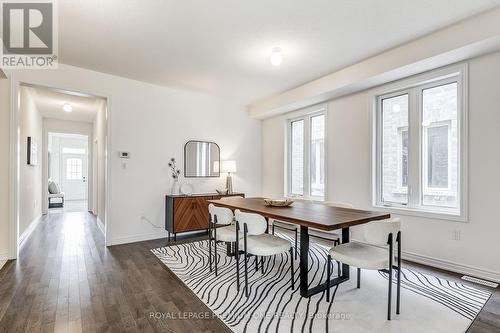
x,y
66,280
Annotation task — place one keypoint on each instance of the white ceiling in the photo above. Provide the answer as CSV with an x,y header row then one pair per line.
x,y
222,47
50,104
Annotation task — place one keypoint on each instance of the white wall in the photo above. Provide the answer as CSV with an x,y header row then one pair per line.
x,y
153,123
30,205
4,169
349,173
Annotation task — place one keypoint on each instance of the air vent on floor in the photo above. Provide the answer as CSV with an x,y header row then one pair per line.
x,y
479,281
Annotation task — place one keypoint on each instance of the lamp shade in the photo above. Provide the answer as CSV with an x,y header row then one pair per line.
x,y
228,166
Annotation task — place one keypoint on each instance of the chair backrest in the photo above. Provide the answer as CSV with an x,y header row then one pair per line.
x,y
256,223
377,232
338,204
224,215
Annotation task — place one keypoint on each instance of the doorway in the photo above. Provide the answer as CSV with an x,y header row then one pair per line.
x,y
68,157
83,117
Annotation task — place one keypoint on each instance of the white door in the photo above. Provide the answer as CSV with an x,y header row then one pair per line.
x,y
74,176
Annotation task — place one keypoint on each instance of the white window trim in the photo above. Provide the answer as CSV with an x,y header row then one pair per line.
x,y
459,71
305,114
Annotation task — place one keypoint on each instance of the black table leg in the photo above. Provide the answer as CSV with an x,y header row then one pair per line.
x,y
345,239
304,266
304,261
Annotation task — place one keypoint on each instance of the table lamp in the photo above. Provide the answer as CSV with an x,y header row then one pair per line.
x,y
228,166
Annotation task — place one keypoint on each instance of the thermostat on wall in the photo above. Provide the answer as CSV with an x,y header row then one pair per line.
x,y
124,154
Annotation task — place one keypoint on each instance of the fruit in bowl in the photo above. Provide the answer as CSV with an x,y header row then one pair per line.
x,y
278,202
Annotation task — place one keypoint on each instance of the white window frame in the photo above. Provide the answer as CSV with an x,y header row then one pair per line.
x,y
414,86
306,115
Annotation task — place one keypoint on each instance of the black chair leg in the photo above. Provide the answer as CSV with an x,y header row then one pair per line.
x,y
328,277
256,263
210,249
262,264
391,255
390,295
296,248
215,251
339,272
273,228
398,290
359,278
237,256
246,274
291,267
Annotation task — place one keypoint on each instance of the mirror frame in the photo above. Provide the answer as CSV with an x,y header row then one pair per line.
x,y
185,164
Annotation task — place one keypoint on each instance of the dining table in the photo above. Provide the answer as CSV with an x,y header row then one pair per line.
x,y
307,215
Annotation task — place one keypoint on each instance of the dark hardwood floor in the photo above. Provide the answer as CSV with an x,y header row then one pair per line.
x,y
66,280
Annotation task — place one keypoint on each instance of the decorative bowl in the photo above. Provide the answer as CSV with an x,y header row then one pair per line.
x,y
222,192
278,202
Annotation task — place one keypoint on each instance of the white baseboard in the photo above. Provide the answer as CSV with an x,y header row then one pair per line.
x,y
100,225
3,259
138,238
449,265
27,233
452,266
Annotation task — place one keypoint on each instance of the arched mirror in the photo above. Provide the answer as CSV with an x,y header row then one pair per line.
x,y
201,159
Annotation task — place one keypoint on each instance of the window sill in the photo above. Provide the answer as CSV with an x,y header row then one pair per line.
x,y
430,214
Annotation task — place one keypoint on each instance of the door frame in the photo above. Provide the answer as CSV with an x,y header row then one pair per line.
x,y
45,171
15,158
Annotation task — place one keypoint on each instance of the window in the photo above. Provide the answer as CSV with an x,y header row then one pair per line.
x,y
394,124
297,155
420,146
307,156
74,169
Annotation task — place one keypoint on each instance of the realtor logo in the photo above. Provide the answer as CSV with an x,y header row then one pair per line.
x,y
29,37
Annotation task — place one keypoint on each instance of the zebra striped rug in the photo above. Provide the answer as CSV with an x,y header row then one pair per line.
x,y
429,303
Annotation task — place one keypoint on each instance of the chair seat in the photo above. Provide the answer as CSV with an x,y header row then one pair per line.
x,y
266,245
227,234
333,235
361,256
285,225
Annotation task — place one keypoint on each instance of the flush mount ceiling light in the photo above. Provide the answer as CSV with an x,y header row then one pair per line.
x,y
67,107
276,58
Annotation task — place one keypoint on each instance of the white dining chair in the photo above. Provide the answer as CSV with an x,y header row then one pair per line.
x,y
221,230
376,254
256,242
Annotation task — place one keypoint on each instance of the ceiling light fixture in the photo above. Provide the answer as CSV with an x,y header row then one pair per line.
x,y
67,108
276,58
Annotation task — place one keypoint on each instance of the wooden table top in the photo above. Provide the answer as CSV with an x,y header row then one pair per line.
x,y
308,214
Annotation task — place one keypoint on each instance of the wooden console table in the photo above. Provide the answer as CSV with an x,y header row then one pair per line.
x,y
185,213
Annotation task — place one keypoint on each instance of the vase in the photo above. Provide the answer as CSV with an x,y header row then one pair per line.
x,y
175,187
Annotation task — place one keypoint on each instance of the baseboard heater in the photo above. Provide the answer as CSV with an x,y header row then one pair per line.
x,y
480,281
